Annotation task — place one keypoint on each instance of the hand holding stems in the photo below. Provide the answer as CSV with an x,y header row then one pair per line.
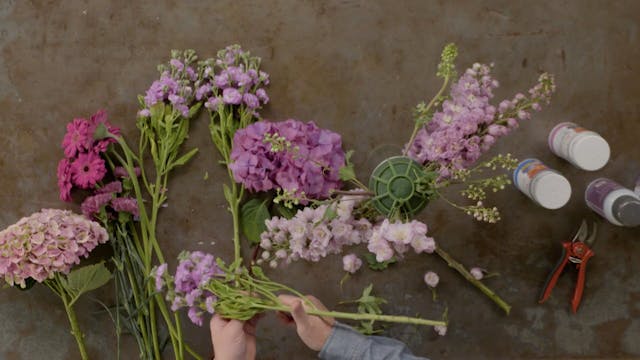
x,y
313,330
233,339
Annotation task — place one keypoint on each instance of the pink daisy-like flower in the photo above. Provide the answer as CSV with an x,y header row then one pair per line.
x,y
64,179
78,138
87,170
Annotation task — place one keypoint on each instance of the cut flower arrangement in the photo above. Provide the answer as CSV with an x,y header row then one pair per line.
x,y
298,172
292,191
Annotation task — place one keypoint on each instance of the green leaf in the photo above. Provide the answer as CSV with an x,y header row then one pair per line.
x,y
347,172
184,158
85,279
284,211
124,217
227,193
329,214
253,215
157,112
375,265
194,109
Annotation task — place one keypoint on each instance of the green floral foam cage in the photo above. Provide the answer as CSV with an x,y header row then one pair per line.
x,y
393,183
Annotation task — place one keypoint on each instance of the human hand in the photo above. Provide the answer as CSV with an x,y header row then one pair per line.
x,y
233,339
313,330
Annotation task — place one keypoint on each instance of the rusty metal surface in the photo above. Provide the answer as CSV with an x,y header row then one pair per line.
x,y
356,67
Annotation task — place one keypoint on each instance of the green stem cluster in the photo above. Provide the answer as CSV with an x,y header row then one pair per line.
x,y
242,295
163,146
427,111
223,126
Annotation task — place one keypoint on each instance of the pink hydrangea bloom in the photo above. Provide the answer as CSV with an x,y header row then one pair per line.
x,y
45,243
87,170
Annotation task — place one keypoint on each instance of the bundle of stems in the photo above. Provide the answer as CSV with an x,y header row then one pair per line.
x,y
161,137
242,294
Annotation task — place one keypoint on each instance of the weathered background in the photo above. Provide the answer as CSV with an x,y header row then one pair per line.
x,y
357,67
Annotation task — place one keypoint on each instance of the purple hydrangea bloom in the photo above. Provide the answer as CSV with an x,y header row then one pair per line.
x,y
309,164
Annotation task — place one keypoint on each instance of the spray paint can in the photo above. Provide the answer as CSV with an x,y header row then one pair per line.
x,y
581,147
619,205
545,186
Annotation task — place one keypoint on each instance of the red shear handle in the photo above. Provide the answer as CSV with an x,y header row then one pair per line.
x,y
582,270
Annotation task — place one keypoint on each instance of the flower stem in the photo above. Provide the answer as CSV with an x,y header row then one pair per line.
x,y
75,328
419,125
477,283
358,316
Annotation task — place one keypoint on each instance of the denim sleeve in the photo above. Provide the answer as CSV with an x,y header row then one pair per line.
x,y
345,343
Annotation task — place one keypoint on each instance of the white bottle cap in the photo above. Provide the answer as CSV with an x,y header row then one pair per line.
x,y
551,190
590,152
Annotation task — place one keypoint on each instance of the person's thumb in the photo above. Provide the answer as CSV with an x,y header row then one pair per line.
x,y
300,316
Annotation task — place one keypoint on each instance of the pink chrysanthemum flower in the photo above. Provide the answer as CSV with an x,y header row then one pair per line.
x,y
92,204
125,204
78,138
45,243
87,170
64,179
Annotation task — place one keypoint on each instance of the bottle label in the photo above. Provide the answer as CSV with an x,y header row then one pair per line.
x,y
562,137
597,192
524,174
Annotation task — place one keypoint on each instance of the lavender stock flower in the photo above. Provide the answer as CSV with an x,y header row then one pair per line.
x,y
187,288
175,86
468,125
233,78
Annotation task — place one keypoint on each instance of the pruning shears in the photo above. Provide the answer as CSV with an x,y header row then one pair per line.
x,y
578,252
